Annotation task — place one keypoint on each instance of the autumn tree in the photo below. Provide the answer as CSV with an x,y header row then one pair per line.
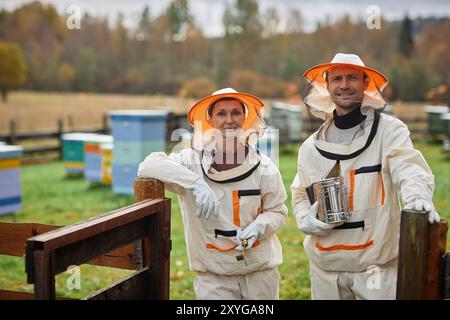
x,y
13,69
243,31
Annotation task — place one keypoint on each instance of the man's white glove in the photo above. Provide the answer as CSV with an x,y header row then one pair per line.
x,y
309,224
424,205
250,235
205,198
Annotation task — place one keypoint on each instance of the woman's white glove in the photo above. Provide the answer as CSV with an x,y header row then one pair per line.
x,y
250,234
424,205
205,198
309,224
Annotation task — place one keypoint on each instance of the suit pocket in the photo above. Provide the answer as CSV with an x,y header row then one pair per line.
x,y
250,205
366,188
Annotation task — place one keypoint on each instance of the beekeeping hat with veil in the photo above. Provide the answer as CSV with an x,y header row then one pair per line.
x,y
317,97
253,126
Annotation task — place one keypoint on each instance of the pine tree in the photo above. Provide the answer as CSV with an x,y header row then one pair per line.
x,y
406,41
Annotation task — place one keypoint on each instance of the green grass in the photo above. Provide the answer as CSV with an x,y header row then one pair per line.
x,y
50,197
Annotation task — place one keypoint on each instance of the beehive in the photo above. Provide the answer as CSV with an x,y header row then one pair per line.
x,y
268,144
288,119
436,126
136,133
73,151
10,185
106,158
92,156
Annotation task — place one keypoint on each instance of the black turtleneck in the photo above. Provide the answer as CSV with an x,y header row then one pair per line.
x,y
348,120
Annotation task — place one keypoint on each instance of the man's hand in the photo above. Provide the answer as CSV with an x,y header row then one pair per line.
x,y
424,205
205,198
309,224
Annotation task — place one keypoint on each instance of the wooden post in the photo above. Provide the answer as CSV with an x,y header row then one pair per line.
x,y
12,132
60,133
70,123
422,246
105,124
446,276
156,249
434,286
166,248
148,189
44,285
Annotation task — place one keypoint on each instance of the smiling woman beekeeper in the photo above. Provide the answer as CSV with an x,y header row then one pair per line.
x,y
231,199
358,259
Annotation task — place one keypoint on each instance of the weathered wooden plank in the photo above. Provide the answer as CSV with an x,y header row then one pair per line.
x,y
13,238
446,276
156,246
44,284
414,230
16,295
87,249
133,287
127,257
51,253
166,248
436,250
71,234
148,189
159,252
85,229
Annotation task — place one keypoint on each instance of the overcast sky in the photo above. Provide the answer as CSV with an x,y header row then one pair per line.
x,y
208,13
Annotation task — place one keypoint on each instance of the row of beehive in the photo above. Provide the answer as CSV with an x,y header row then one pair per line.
x,y
89,154
115,159
438,118
10,186
439,123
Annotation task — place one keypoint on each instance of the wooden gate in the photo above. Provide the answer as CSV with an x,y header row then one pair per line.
x,y
133,237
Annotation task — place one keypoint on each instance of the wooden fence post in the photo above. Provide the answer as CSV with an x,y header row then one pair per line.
x,y
105,124
12,132
148,189
434,285
421,252
60,133
70,123
44,285
156,250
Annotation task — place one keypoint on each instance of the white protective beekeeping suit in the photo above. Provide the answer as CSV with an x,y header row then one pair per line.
x,y
359,258
250,194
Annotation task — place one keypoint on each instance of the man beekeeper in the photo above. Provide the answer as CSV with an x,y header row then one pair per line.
x,y
231,199
378,163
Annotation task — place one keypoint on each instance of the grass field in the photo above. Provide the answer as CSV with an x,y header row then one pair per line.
x,y
50,197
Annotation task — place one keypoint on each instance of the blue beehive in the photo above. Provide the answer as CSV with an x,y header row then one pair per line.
x,y
92,156
136,133
10,188
268,144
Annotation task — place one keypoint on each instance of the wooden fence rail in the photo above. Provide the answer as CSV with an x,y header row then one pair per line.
x,y
174,121
13,137
135,237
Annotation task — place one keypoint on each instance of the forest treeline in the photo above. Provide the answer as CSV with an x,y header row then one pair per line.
x,y
169,53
